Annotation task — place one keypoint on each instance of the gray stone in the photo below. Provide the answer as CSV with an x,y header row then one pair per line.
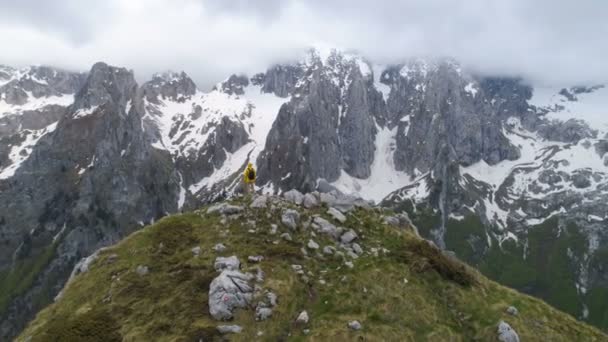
x,y
228,291
302,318
357,249
349,264
349,236
286,236
259,202
354,325
312,245
337,215
324,227
229,329
196,251
272,298
310,201
219,247
225,209
255,258
511,310
231,263
506,333
324,187
294,196
329,250
142,270
290,218
262,313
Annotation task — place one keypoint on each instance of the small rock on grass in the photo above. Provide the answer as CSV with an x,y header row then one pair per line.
x,y
142,270
349,236
302,317
337,215
219,247
255,258
506,333
354,325
511,310
229,329
312,245
196,251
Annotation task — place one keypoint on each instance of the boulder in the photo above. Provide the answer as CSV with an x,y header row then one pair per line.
x,y
294,196
310,201
230,263
324,227
259,202
228,291
196,251
323,186
357,249
312,245
506,333
329,250
290,218
348,237
337,215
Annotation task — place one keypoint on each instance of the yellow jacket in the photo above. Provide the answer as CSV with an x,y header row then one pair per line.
x,y
246,175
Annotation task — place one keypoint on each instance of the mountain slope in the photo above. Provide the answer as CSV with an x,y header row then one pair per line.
x,y
155,284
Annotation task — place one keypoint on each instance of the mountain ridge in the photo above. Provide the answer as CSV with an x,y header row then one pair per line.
x,y
416,135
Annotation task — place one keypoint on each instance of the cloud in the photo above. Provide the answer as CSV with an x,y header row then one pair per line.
x,y
543,41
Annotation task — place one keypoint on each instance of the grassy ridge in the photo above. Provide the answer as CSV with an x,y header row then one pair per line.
x,y
410,292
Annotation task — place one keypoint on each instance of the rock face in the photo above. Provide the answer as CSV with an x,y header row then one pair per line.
x,y
328,125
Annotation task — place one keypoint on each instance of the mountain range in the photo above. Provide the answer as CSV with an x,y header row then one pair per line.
x,y
511,178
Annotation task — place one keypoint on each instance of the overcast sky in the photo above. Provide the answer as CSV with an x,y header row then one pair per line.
x,y
549,41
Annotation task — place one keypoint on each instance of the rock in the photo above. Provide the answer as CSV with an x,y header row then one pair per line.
x,y
306,331
323,186
142,270
228,291
391,220
325,227
329,250
312,245
231,263
259,275
354,325
337,215
259,202
225,209
229,329
349,264
286,237
581,180
255,258
196,251
506,333
302,318
348,237
273,229
511,310
272,298
310,201
327,198
290,218
297,268
262,313
219,247
357,249
294,196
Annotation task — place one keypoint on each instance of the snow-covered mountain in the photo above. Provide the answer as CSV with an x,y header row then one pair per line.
x,y
511,178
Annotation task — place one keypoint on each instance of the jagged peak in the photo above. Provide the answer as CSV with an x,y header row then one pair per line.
x,y
233,85
169,84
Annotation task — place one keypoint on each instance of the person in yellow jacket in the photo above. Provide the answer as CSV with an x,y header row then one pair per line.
x,y
249,179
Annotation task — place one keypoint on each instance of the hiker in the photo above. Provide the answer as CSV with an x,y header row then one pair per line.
x,y
249,179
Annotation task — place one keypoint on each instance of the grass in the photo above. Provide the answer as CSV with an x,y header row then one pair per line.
x,y
410,292
20,278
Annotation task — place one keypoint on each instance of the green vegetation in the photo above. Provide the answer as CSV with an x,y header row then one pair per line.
x,y
409,292
16,281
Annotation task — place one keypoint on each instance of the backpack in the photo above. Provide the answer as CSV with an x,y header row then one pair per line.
x,y
251,174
